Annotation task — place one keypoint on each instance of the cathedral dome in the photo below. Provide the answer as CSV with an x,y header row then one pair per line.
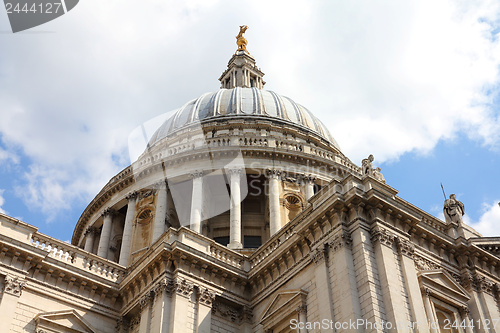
x,y
250,102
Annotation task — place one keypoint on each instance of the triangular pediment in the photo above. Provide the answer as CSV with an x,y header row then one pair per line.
x,y
440,283
63,321
285,299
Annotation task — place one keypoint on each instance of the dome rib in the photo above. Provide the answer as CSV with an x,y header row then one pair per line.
x,y
245,102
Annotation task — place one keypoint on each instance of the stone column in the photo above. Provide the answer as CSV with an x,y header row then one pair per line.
x,y
274,201
107,224
161,210
309,186
235,212
127,229
196,201
89,240
13,287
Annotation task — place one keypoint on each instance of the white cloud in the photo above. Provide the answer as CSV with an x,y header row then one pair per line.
x,y
386,77
489,222
8,156
2,202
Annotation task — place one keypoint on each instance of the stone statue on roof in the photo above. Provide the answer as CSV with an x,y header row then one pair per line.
x,y
367,165
453,210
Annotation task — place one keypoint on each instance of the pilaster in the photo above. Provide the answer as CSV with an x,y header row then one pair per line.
x,y
365,265
205,298
406,252
344,286
13,288
323,284
146,306
181,306
389,272
162,306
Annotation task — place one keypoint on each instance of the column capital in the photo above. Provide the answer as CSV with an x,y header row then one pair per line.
x,y
160,185
183,287
108,211
132,195
273,173
318,255
90,231
301,309
196,174
405,247
206,296
342,240
121,324
134,322
247,314
235,170
14,285
464,310
145,300
307,179
383,236
166,285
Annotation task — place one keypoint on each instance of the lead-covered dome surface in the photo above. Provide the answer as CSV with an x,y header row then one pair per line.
x,y
242,102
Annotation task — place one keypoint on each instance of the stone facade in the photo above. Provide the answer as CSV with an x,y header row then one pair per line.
x,y
296,239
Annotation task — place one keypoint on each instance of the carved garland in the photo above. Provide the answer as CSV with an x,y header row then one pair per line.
x,y
424,264
227,311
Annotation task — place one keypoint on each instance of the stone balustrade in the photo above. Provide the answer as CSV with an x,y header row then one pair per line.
x,y
76,257
222,253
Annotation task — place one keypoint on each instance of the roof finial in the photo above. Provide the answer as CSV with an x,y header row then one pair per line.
x,y
240,40
241,69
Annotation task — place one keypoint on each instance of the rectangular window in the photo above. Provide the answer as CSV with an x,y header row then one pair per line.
x,y
252,242
222,240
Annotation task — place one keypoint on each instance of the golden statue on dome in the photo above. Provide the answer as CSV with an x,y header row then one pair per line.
x,y
240,40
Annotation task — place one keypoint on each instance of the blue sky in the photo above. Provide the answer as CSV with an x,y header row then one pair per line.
x,y
414,83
